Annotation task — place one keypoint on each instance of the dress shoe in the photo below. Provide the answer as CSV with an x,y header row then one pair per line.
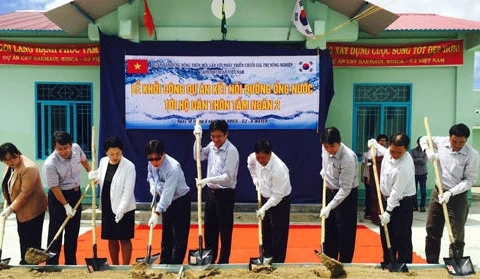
x,y
422,209
415,209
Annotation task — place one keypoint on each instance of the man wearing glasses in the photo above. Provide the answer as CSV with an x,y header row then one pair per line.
x,y
167,181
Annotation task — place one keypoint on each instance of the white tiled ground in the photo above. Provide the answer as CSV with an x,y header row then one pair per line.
x,y
472,234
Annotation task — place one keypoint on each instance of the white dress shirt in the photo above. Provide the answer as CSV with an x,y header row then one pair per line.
x,y
397,177
273,178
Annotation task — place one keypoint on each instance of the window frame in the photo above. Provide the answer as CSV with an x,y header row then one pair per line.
x,y
43,138
382,105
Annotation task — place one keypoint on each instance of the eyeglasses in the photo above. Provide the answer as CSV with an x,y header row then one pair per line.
x,y
9,160
154,159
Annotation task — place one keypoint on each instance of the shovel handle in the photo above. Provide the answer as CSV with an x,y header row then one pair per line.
x,y
198,150
438,182
92,183
259,204
150,233
4,220
379,194
324,201
62,227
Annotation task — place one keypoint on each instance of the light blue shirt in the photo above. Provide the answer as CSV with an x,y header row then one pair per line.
x,y
64,173
458,169
222,164
340,172
169,181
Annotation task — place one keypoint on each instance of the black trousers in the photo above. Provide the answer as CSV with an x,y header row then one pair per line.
x,y
275,226
219,222
457,209
341,228
400,232
70,234
30,235
176,226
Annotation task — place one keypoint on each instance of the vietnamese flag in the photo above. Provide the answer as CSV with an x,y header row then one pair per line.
x,y
148,19
137,66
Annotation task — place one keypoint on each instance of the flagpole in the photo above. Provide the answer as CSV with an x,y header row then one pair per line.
x,y
223,27
289,30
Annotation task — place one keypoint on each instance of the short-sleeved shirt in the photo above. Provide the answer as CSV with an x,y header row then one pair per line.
x,y
64,172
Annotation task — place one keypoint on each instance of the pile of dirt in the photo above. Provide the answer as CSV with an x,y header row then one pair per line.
x,y
290,272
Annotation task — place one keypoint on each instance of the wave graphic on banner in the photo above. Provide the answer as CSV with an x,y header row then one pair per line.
x,y
176,91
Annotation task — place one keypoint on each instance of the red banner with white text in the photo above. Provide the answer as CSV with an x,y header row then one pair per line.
x,y
444,53
18,53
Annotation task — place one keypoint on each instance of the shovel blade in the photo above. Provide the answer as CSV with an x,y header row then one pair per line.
x,y
394,267
199,257
257,264
149,259
96,264
461,266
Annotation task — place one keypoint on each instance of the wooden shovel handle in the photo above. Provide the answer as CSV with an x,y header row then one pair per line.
x,y
379,194
4,220
438,182
198,150
259,204
324,201
92,183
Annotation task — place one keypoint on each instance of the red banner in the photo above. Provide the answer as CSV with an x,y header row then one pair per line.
x,y
49,54
444,53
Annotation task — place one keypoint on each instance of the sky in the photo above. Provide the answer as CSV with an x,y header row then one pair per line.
x,y
465,9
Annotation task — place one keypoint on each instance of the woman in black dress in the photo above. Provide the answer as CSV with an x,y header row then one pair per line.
x,y
116,177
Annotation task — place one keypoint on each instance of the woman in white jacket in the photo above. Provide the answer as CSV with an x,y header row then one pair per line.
x,y
116,177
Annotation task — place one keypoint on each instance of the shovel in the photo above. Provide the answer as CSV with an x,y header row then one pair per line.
x,y
199,258
150,259
95,263
335,267
260,263
456,266
3,262
392,266
36,256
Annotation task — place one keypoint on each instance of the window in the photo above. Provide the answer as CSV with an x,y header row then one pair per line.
x,y
67,107
379,109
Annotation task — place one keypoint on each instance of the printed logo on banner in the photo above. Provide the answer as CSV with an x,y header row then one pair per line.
x,y
137,66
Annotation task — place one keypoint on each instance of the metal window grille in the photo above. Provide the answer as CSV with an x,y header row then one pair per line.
x,y
63,106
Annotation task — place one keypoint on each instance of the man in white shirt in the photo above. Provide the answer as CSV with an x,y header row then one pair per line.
x,y
397,185
458,163
271,177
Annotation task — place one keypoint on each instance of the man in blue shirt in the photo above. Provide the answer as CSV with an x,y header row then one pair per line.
x,y
223,160
166,179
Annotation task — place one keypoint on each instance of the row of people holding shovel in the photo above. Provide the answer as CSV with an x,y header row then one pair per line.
x,y
458,167
24,195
